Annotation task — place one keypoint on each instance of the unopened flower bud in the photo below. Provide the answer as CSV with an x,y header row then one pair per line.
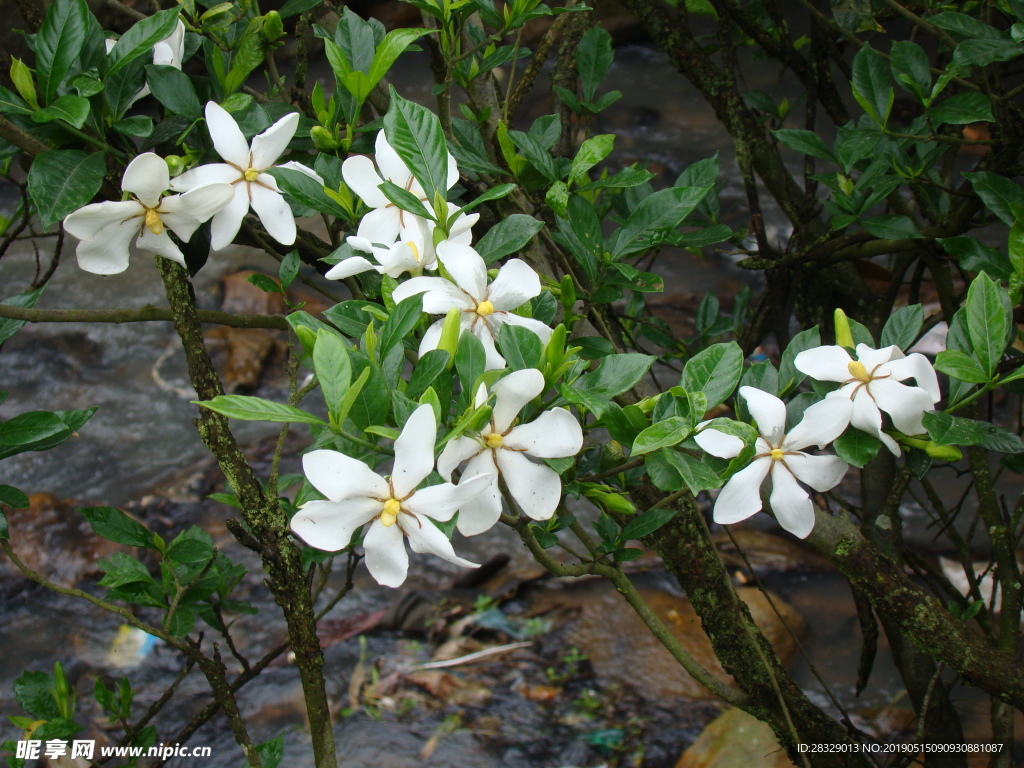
x,y
323,139
175,165
273,26
844,337
608,499
449,341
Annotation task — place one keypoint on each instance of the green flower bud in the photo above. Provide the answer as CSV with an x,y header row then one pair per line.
x,y
450,331
175,165
323,139
273,27
844,337
608,499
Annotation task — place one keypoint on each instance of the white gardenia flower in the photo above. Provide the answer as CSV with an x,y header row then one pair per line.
x,y
245,167
387,223
485,308
782,455
169,52
872,382
107,229
412,255
357,495
501,448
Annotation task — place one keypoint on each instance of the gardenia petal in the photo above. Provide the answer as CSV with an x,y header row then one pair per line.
x,y
381,225
161,245
482,511
227,137
386,558
493,361
536,488
147,178
354,265
872,358
790,503
512,393
292,165
108,253
184,213
906,405
720,444
867,418
918,367
455,452
741,496
329,525
274,213
428,538
439,295
829,363
543,331
89,222
441,502
466,268
822,423
768,411
228,220
414,451
392,167
211,173
515,284
431,337
822,473
338,476
555,434
362,178
272,143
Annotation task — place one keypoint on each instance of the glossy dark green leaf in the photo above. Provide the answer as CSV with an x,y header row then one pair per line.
x,y
72,109
63,180
248,408
989,319
58,43
140,39
173,88
715,371
903,326
415,133
400,323
871,85
509,235
113,524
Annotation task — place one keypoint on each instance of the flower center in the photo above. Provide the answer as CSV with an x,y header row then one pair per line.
x,y
251,174
494,440
777,454
390,514
484,308
153,222
414,249
858,371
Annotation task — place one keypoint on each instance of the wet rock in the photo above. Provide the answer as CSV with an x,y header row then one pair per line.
x,y
242,355
53,539
766,552
735,740
622,650
243,298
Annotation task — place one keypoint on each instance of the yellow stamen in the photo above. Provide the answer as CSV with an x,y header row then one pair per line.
x,y
858,371
494,440
153,222
777,454
414,249
251,174
390,514
484,308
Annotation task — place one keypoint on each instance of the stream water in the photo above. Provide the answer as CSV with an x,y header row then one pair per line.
x,y
142,436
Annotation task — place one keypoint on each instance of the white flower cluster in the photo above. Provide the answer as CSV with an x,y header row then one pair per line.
x,y
403,242
222,191
869,385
